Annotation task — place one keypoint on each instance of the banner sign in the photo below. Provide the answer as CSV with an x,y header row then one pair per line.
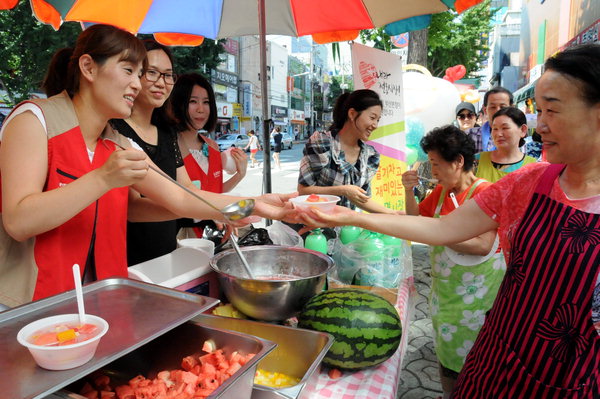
x,y
382,72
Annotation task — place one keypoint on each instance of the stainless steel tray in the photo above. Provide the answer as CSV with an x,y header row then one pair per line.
x,y
136,312
166,352
299,353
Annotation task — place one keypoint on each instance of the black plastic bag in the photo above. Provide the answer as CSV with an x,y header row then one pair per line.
x,y
255,236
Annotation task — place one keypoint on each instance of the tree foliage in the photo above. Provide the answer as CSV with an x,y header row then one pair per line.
x,y
335,88
27,45
459,39
452,39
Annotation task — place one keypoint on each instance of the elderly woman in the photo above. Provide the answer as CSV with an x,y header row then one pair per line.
x,y
540,337
457,312
509,128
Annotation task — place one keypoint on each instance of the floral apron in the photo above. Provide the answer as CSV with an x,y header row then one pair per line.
x,y
539,339
460,297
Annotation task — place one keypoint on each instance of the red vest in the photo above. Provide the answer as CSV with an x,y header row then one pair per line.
x,y
103,222
211,181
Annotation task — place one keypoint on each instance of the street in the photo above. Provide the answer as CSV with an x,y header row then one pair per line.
x,y
282,181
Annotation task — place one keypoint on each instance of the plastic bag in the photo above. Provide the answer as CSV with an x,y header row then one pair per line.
x,y
357,264
255,236
284,235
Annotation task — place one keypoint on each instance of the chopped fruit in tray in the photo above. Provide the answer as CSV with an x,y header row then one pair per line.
x,y
315,198
199,377
227,310
274,379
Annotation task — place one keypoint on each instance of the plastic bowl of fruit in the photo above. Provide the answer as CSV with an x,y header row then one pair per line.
x,y
322,202
62,342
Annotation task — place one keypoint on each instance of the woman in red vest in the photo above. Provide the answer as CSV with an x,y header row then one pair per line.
x,y
541,338
194,108
65,181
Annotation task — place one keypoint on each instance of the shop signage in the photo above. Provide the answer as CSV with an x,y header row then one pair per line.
x,y
231,46
588,35
279,112
247,99
297,115
535,72
237,109
224,77
224,110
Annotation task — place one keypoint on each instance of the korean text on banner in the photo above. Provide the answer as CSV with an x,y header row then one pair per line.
x,y
382,72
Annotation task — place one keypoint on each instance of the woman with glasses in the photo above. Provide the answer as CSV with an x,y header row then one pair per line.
x,y
509,128
465,116
149,126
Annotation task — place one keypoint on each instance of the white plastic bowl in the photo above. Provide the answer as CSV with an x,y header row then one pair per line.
x,y
67,356
324,206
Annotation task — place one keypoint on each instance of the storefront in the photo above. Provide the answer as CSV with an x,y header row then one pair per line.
x,y
279,117
297,124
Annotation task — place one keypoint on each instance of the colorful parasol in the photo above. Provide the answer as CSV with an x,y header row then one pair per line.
x,y
188,22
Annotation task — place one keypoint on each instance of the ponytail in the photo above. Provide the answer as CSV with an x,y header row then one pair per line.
x,y
55,80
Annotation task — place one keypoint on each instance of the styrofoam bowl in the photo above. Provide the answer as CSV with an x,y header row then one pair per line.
x,y
324,206
67,356
202,244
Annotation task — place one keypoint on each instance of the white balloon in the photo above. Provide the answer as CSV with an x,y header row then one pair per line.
x,y
431,100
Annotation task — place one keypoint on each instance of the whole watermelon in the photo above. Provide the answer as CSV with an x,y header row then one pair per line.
x,y
366,327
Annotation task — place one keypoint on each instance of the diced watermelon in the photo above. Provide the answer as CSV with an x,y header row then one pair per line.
x,y
233,367
209,346
135,381
334,374
125,392
188,363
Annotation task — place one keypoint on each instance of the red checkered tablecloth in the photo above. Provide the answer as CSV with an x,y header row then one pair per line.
x,y
379,382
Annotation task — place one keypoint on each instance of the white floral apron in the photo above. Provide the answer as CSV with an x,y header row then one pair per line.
x,y
460,297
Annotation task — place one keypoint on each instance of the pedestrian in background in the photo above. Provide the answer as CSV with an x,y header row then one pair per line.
x,y
494,99
465,116
254,146
509,128
277,139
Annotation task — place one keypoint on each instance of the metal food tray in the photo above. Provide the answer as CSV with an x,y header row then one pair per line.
x,y
166,352
299,353
136,312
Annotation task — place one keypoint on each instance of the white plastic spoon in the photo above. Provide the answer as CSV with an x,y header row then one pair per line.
x,y
79,293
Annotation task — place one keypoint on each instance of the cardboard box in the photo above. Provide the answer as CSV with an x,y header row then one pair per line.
x,y
391,294
185,269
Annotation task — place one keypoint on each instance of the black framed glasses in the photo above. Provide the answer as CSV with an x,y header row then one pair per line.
x,y
466,116
153,75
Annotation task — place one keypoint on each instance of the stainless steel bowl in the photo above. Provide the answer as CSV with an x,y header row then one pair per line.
x,y
272,299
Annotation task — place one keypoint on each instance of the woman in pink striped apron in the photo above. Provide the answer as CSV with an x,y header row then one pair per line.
x,y
541,338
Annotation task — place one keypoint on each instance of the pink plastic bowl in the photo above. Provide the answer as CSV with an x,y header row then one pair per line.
x,y
66,356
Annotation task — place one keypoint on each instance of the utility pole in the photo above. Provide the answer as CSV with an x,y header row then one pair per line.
x,y
312,91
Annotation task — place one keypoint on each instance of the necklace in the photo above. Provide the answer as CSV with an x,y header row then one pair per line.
x,y
147,135
200,139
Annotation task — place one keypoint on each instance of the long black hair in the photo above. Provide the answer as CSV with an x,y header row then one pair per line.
x,y
359,100
180,98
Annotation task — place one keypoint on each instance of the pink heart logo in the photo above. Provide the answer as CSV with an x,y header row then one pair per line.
x,y
368,74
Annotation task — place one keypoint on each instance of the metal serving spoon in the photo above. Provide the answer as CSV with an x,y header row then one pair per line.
x,y
232,212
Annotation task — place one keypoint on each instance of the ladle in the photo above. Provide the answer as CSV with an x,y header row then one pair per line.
x,y
232,212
